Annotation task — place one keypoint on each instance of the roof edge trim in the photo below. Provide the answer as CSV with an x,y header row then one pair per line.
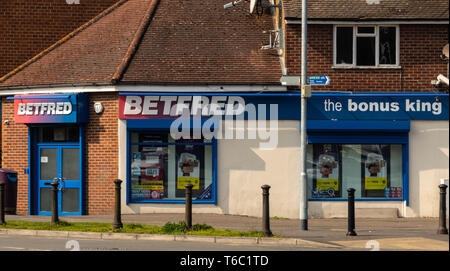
x,y
368,21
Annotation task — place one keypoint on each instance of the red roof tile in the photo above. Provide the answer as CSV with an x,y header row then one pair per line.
x,y
158,41
201,42
369,9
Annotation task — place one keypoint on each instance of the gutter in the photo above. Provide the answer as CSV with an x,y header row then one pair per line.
x,y
295,21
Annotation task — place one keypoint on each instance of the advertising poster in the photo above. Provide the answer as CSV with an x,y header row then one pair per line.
x,y
188,166
147,171
375,172
327,171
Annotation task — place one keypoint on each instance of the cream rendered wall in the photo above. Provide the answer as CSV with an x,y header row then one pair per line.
x,y
242,168
428,163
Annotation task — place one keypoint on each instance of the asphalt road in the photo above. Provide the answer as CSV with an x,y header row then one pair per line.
x,y
31,243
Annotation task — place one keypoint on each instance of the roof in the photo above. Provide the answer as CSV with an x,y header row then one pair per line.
x,y
163,42
369,9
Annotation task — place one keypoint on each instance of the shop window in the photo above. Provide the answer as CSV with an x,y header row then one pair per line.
x,y
160,167
366,46
374,170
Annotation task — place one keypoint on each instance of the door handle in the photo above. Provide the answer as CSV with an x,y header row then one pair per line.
x,y
61,186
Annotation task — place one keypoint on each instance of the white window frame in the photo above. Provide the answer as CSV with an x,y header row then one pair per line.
x,y
377,46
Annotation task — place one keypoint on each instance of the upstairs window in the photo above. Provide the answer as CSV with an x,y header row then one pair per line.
x,y
366,46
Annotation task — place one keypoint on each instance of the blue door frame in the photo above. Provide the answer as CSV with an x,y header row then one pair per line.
x,y
35,182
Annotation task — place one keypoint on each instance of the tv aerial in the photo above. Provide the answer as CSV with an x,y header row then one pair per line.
x,y
255,5
275,36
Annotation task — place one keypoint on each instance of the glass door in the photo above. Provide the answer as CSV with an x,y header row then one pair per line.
x,y
60,163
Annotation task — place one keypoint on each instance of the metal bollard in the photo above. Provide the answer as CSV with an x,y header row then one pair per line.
x,y
265,215
351,212
55,218
2,204
442,210
117,224
188,212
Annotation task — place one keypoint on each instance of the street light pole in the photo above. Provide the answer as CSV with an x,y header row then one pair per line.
x,y
305,93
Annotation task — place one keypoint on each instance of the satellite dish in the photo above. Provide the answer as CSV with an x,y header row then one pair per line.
x,y
445,50
253,4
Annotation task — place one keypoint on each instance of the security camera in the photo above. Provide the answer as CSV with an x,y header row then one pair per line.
x,y
6,122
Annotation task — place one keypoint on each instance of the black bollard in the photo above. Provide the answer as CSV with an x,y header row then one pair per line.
x,y
351,212
117,224
265,214
188,212
2,204
442,210
55,218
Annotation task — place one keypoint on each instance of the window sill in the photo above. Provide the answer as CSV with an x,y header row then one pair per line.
x,y
360,199
366,67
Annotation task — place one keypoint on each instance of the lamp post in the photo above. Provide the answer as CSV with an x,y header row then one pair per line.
x,y
306,92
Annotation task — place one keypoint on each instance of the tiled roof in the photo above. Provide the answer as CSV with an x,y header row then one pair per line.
x,y
158,41
200,41
369,9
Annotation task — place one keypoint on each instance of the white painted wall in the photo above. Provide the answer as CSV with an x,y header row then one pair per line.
x,y
428,163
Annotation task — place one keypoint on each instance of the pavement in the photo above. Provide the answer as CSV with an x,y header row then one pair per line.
x,y
372,234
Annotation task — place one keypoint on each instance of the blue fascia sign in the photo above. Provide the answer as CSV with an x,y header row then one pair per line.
x,y
318,80
395,106
321,105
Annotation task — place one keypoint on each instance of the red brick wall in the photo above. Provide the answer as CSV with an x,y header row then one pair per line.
x,y
15,152
29,26
102,154
101,157
420,49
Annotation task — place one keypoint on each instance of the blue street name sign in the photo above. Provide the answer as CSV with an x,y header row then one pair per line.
x,y
318,80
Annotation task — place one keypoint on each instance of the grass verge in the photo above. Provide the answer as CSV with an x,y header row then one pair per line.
x,y
168,228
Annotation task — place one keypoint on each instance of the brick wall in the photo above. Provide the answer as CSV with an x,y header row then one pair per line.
x,y
15,152
101,155
29,26
420,48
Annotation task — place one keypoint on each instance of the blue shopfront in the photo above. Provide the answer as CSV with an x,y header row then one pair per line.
x,y
358,140
56,147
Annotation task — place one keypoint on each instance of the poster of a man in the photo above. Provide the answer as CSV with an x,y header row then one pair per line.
x,y
187,163
327,171
326,165
375,171
374,164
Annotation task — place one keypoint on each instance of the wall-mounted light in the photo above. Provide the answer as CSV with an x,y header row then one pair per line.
x,y
98,108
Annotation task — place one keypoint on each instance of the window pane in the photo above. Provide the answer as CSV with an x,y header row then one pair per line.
x,y
344,45
366,30
326,180
45,199
70,200
365,51
48,164
71,163
190,169
58,134
149,172
374,171
161,167
387,45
